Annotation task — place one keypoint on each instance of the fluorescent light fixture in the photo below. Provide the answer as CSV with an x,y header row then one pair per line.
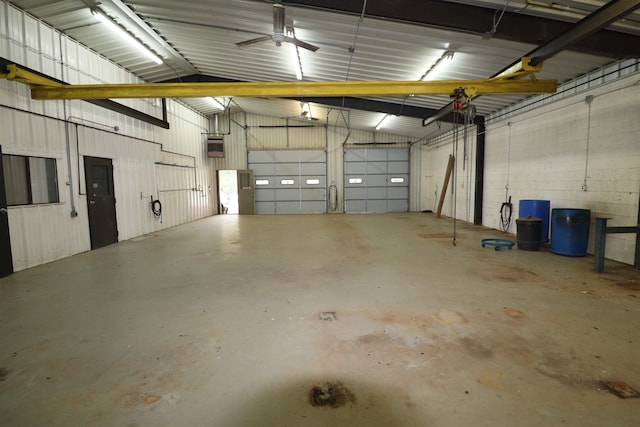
x,y
126,36
383,120
439,65
217,104
295,58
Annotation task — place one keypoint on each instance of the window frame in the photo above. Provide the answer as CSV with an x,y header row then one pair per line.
x,y
46,183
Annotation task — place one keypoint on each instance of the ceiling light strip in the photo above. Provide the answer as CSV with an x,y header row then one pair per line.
x,y
432,72
383,120
126,36
217,104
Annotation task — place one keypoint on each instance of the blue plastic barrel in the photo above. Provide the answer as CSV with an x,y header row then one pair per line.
x,y
570,231
537,209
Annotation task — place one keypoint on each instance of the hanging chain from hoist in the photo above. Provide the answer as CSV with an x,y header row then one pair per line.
x,y
457,104
461,109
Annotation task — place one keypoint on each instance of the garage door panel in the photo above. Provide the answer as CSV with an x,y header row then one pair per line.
x,y
377,181
398,180
287,194
355,168
312,156
312,169
264,195
376,167
355,206
377,206
398,167
375,155
398,205
261,157
287,169
385,180
314,206
398,193
288,172
288,207
351,193
378,193
310,182
265,208
398,155
356,180
355,156
286,157
261,169
286,182
313,194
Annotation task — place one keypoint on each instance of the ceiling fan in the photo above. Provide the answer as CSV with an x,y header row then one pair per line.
x,y
279,35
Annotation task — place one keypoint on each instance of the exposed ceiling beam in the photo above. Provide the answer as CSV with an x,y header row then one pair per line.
x,y
575,34
292,89
479,20
592,23
370,105
41,78
363,104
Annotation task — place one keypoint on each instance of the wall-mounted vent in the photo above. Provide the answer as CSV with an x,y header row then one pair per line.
x,y
215,146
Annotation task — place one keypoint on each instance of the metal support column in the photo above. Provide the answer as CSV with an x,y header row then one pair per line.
x,y
600,243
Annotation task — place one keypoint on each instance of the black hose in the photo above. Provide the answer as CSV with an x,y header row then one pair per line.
x,y
505,215
156,207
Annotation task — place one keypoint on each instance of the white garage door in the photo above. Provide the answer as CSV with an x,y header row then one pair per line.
x,y
289,182
376,180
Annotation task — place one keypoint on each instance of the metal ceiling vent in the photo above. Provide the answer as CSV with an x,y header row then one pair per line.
x,y
215,146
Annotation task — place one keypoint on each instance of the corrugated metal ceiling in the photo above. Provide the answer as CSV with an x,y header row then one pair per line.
x,y
198,37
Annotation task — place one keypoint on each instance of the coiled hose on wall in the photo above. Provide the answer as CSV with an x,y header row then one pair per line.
x,y
505,215
333,197
156,208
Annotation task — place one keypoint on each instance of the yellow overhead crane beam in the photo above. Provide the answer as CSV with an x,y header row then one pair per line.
x,y
44,89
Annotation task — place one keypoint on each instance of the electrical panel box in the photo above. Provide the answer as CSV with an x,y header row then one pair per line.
x,y
215,146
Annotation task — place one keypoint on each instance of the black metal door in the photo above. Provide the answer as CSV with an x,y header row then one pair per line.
x,y
6,260
101,201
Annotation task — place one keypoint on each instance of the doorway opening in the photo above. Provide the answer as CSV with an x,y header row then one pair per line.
x,y
228,191
236,193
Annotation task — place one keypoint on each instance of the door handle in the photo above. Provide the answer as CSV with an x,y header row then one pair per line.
x,y
92,202
3,210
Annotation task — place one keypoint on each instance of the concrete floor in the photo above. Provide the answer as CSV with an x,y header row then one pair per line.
x,y
217,323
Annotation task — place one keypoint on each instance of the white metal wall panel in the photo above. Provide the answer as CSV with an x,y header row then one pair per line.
x,y
435,156
376,180
43,233
293,181
272,133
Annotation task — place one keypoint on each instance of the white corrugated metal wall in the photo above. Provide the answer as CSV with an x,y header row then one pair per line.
x,y
435,156
577,148
148,161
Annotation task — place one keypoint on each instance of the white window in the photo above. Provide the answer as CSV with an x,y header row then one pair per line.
x,y
262,182
30,180
313,181
355,180
397,180
287,182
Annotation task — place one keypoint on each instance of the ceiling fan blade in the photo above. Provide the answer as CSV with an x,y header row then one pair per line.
x,y
301,44
252,41
278,18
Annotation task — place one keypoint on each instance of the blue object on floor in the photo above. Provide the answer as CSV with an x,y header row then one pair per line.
x,y
498,243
